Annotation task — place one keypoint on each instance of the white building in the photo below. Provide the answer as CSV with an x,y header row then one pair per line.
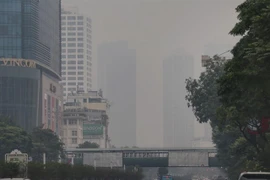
x,y
76,51
73,125
85,119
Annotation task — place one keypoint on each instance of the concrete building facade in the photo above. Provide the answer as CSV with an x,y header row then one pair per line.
x,y
85,119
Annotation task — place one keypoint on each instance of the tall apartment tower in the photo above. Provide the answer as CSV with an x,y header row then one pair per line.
x,y
76,51
178,119
117,79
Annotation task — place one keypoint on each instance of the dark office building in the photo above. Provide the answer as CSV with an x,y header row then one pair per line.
x,y
117,79
30,49
178,127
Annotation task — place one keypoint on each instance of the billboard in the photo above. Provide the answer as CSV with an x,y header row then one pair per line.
x,y
106,159
188,158
92,129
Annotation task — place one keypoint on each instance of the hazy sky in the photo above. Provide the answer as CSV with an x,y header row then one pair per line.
x,y
157,29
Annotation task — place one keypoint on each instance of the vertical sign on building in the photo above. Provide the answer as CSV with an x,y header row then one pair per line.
x,y
53,114
49,111
57,116
45,120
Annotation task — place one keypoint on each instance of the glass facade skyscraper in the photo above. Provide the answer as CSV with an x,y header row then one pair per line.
x,y
30,50
30,29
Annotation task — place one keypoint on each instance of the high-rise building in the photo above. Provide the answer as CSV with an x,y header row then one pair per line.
x,y
30,50
178,119
117,79
76,51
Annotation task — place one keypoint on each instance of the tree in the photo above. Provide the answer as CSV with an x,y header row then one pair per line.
x,y
202,93
244,88
88,144
162,171
46,141
13,137
202,96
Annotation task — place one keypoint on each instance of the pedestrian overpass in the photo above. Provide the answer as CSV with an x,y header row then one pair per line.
x,y
145,157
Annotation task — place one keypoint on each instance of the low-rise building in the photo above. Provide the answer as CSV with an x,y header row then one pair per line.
x,y
85,119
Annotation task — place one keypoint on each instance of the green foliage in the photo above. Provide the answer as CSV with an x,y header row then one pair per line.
x,y
236,95
162,171
202,93
57,171
12,137
244,88
9,170
88,145
46,141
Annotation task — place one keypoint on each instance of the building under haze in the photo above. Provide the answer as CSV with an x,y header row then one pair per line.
x,y
76,51
178,119
85,119
117,78
30,93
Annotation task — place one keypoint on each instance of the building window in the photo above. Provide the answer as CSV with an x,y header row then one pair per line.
x,y
72,23
71,28
80,62
80,78
72,84
80,23
80,28
71,68
71,56
71,45
80,50
80,34
71,18
71,62
71,39
80,17
71,78
80,73
71,73
80,44
72,34
72,122
74,141
74,133
71,50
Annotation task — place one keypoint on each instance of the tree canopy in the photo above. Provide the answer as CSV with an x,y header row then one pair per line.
x,y
46,141
88,144
244,89
235,96
13,137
